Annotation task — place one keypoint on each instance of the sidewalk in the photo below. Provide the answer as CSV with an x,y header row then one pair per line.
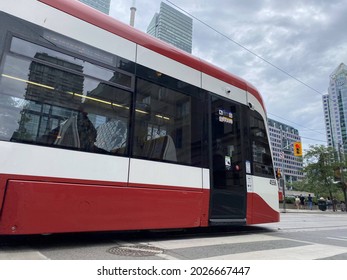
x,y
315,210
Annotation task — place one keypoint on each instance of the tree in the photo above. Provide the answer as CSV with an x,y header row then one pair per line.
x,y
340,173
320,165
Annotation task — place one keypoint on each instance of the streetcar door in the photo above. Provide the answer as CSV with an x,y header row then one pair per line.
x,y
228,188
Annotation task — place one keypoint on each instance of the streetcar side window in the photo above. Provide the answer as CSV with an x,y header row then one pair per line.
x,y
51,98
262,161
169,118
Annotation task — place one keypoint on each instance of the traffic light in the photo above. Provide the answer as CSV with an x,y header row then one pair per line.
x,y
297,149
278,173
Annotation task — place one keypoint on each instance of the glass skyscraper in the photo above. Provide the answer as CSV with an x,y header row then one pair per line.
x,y
172,27
101,5
335,109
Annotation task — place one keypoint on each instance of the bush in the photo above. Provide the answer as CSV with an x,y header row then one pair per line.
x,y
290,200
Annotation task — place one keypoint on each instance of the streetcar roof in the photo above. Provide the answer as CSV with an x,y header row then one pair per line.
x,y
110,24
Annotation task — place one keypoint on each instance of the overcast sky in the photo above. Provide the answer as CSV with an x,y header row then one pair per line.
x,y
306,39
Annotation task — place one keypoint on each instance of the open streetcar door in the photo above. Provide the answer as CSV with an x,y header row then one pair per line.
x,y
228,188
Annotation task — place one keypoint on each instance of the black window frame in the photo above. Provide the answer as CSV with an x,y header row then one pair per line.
x,y
196,94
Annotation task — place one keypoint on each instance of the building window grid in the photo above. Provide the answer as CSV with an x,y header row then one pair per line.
x,y
174,27
291,164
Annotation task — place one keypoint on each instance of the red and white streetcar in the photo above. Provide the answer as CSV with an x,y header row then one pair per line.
x,y
105,128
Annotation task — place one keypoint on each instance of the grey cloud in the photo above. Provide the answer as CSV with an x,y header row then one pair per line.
x,y
304,38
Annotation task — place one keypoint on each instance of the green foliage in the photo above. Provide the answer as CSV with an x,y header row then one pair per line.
x,y
320,166
290,200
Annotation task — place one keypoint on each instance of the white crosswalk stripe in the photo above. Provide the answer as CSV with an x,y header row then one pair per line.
x,y
307,252
299,250
22,255
209,241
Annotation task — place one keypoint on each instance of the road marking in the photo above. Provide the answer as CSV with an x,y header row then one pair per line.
x,y
167,257
327,228
22,255
306,252
210,241
338,238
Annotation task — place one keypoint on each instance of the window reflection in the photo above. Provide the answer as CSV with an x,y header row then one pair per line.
x,y
55,99
168,124
47,99
70,62
262,161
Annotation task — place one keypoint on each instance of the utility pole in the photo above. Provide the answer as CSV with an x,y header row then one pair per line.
x,y
341,163
283,175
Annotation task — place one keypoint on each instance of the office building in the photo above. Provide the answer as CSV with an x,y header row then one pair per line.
x,y
101,5
173,27
335,109
282,138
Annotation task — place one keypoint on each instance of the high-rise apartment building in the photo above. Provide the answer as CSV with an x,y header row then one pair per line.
x,y
328,129
282,138
173,27
335,109
101,5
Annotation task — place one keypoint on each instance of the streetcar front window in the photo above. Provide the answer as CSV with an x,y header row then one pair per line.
x,y
262,161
